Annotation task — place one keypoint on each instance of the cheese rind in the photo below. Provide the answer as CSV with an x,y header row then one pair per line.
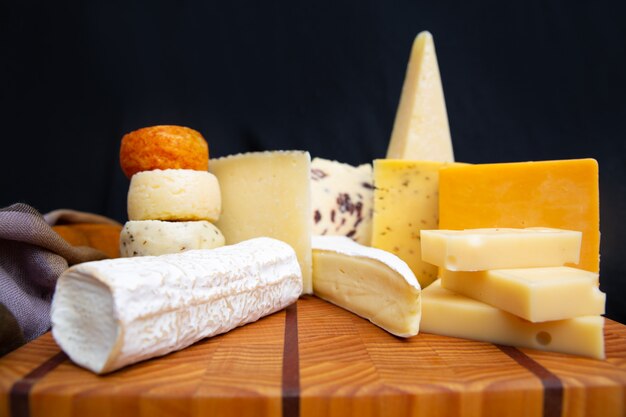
x,y
369,282
155,237
342,200
405,202
267,194
174,194
560,194
497,248
421,130
535,294
108,314
450,314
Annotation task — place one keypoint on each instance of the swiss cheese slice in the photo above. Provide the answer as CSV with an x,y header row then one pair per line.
x,y
267,194
535,294
497,248
560,194
421,131
447,313
369,282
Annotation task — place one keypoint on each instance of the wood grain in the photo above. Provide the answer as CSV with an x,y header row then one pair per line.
x,y
345,366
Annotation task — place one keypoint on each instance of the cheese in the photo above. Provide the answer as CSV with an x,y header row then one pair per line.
x,y
342,199
112,313
559,194
421,131
482,249
369,282
405,202
155,237
267,194
174,194
450,314
535,294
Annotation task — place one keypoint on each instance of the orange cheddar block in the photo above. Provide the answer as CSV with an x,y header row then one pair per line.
x,y
561,194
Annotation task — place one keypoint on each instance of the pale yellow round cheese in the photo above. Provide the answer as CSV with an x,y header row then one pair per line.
x,y
156,237
174,194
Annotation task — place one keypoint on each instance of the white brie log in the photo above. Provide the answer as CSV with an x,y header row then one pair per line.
x,y
372,283
112,313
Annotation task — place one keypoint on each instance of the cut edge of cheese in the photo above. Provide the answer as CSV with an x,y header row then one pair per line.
x,y
421,130
369,282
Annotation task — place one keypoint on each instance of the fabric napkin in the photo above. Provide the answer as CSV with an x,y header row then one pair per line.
x,y
32,256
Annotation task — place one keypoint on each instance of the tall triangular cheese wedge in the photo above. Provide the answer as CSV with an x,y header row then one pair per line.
x,y
421,130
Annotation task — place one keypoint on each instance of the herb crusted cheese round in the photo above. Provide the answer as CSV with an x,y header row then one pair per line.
x,y
155,237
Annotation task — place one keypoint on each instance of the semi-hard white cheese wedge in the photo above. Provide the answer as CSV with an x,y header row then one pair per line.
x,y
535,294
156,237
112,313
369,282
499,248
342,199
267,194
421,130
448,313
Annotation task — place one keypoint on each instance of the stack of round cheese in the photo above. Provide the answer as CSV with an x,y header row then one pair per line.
x,y
172,199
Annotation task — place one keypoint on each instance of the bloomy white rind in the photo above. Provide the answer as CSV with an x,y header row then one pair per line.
x,y
347,246
162,304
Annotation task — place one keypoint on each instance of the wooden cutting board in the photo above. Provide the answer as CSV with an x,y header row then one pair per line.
x,y
315,359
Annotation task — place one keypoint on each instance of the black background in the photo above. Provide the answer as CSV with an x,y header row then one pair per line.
x,y
523,81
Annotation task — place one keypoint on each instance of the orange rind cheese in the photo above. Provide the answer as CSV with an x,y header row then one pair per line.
x,y
163,147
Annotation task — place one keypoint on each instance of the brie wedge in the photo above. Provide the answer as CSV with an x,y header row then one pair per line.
x,y
372,283
112,313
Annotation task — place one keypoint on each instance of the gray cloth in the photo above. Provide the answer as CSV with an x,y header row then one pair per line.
x,y
32,256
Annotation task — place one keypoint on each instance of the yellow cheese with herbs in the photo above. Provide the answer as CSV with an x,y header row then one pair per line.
x,y
497,248
421,130
405,202
535,294
448,313
267,194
